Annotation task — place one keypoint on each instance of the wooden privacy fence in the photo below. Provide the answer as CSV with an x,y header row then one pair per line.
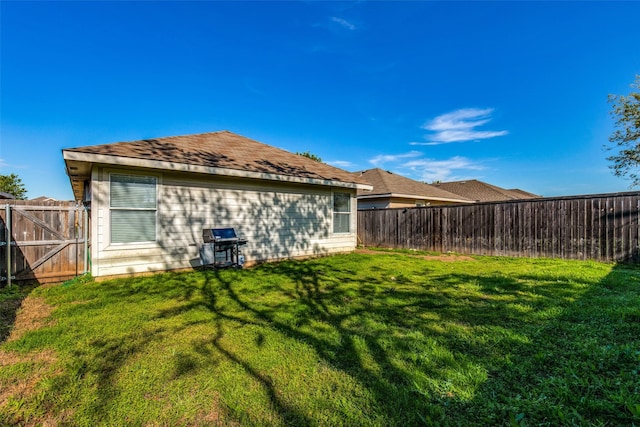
x,y
599,227
42,241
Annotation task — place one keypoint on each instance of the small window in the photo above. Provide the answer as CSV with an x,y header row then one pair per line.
x,y
133,208
341,212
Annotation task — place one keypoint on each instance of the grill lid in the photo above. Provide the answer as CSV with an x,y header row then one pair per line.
x,y
224,233
218,234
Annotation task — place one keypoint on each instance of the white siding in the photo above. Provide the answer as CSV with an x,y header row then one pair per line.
x,y
279,220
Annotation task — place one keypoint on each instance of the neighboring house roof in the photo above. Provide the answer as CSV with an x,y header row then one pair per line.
x,y
483,192
218,153
388,184
46,199
4,195
524,194
43,199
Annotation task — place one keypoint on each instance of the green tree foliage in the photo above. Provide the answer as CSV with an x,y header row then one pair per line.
x,y
310,156
12,184
626,137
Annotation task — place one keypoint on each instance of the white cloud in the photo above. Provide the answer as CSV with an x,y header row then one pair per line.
x,y
460,119
390,158
413,165
430,170
4,164
343,23
425,143
340,163
460,126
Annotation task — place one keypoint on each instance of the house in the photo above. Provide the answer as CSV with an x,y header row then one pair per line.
x,y
43,199
396,191
482,192
150,201
6,196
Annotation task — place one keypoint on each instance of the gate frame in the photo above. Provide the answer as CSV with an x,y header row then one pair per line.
x,y
62,242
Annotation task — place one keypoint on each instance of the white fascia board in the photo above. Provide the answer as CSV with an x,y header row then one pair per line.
x,y
183,167
373,196
439,199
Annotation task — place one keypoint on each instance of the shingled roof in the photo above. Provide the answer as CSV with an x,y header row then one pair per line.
x,y
221,153
388,184
483,192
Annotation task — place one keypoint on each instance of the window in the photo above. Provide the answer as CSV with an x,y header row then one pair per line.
x,y
341,212
133,208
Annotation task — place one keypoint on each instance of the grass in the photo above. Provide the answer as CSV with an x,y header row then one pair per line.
x,y
362,339
10,299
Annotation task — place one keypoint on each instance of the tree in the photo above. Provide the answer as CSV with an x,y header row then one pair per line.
x,y
13,185
626,137
310,156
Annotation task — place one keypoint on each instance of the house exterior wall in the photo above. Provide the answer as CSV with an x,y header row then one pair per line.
x,y
279,220
397,202
400,202
381,203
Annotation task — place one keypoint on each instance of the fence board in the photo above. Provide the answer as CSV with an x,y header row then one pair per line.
x,y
602,227
47,241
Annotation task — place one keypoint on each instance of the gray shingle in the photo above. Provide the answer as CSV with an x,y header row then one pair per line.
x,y
388,183
224,150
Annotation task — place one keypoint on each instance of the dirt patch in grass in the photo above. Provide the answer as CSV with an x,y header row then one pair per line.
x,y
32,315
8,358
41,366
440,257
216,416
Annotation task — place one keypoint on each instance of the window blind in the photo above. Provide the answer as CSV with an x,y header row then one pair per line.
x,y
132,191
133,208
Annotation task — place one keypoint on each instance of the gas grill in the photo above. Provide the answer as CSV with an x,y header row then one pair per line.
x,y
221,248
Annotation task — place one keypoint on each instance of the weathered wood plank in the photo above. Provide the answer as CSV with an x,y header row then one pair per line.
x,y
598,227
48,245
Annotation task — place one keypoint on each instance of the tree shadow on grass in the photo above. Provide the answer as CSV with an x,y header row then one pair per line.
x,y
103,361
341,356
10,302
579,367
348,304
385,329
8,309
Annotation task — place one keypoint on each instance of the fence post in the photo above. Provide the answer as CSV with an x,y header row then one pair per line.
x,y
85,232
76,233
7,223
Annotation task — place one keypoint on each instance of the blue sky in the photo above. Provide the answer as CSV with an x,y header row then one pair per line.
x,y
511,93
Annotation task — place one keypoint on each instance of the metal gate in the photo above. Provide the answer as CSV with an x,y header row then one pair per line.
x,y
42,242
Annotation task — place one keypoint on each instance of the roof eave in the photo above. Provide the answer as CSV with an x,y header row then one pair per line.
x,y
92,158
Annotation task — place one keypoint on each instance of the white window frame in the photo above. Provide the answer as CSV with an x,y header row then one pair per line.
x,y
348,213
133,209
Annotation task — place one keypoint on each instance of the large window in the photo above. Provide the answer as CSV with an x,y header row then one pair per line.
x,y
341,212
133,208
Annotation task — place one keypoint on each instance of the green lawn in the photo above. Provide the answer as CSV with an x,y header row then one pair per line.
x,y
353,340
